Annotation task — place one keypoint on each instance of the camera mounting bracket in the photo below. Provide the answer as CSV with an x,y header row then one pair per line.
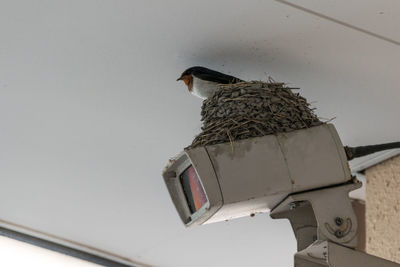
x,y
321,214
326,253
325,226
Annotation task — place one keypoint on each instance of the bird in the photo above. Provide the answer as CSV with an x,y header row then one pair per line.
x,y
203,82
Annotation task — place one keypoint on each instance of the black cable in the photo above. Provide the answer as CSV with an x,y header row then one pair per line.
x,y
359,151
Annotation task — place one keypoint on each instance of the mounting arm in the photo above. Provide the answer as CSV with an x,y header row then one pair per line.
x,y
325,226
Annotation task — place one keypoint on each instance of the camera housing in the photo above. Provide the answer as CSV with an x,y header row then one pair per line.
x,y
224,181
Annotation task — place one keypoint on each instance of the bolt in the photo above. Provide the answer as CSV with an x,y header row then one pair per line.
x,y
338,233
292,205
338,221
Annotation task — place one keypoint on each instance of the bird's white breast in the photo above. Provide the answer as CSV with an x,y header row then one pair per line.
x,y
202,88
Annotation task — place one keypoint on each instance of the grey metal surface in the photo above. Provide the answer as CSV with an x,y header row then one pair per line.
x,y
327,253
314,255
315,152
333,212
303,222
321,216
253,175
339,256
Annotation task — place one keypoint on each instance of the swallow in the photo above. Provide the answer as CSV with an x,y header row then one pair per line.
x,y
203,82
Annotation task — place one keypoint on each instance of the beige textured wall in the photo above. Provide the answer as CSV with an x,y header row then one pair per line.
x,y
382,209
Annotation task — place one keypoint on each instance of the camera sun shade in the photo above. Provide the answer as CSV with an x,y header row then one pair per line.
x,y
226,181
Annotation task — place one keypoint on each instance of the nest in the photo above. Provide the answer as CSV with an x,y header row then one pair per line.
x,y
252,109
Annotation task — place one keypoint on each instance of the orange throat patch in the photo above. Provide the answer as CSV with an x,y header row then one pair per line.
x,y
188,80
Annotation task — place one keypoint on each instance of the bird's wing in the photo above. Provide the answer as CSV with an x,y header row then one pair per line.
x,y
215,76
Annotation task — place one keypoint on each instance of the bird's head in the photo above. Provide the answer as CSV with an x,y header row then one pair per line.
x,y
187,78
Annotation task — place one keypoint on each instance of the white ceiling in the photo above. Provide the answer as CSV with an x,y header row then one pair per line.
x,y
90,110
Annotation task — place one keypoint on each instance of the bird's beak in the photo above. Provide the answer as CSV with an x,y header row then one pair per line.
x,y
179,79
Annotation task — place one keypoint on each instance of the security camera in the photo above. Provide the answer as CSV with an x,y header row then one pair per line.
x,y
301,175
224,181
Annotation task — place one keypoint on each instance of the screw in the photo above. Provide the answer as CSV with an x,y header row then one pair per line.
x,y
338,221
292,205
338,233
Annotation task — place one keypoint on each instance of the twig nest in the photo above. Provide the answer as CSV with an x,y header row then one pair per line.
x,y
252,109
